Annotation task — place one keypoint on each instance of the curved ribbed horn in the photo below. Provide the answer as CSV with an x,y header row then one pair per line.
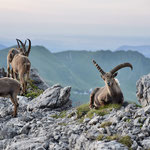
x,y
25,42
29,48
24,49
18,43
121,66
98,67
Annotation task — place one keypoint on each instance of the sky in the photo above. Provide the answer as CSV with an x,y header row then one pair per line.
x,y
75,24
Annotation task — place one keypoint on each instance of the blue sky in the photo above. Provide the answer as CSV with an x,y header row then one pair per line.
x,y
76,24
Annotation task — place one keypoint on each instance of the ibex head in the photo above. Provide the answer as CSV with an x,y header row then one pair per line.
x,y
23,49
108,77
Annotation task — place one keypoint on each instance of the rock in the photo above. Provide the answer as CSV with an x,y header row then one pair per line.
x,y
135,131
139,148
37,80
94,120
113,145
143,90
25,129
8,132
47,127
139,112
54,97
114,119
146,123
29,143
92,134
146,143
134,145
141,135
102,130
86,120
147,109
137,122
108,130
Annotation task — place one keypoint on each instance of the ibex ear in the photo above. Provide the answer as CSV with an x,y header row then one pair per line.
x,y
115,74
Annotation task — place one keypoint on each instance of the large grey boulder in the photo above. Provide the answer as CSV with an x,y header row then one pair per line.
x,y
54,97
37,80
143,90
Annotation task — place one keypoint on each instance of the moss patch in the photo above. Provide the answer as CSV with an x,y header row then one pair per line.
x,y
100,137
61,115
106,124
84,110
125,140
113,137
62,124
32,90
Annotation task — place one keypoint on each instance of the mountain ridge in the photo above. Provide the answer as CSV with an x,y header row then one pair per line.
x,y
144,49
75,68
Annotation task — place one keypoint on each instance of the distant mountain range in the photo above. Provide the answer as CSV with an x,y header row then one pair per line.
x,y
2,46
145,49
75,68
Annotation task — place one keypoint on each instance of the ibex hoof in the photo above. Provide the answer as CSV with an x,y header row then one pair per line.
x,y
14,115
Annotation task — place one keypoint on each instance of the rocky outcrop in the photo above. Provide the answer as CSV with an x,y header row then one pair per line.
x,y
37,80
45,128
48,122
53,97
143,90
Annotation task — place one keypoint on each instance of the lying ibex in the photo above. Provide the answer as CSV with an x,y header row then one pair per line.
x,y
10,88
21,66
111,92
14,51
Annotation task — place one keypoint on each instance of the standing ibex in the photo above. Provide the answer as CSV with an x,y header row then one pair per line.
x,y
10,88
111,92
14,51
21,66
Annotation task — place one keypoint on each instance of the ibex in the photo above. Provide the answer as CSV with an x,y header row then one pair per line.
x,y
15,51
21,66
10,88
111,92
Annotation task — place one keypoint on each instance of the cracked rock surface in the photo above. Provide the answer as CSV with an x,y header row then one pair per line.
x,y
143,90
36,128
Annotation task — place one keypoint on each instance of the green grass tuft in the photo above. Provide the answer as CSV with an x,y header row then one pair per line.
x,y
61,115
113,137
100,137
106,124
125,140
32,90
62,124
84,111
